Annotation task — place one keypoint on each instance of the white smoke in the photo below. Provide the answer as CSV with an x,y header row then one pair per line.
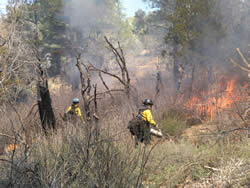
x,y
88,15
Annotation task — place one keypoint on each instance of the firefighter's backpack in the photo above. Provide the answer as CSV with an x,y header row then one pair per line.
x,y
135,125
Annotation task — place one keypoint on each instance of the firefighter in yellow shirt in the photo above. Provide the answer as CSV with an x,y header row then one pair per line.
x,y
74,110
145,113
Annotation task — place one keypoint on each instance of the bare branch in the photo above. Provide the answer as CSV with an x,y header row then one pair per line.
x,y
110,74
237,65
242,56
106,92
86,85
114,50
124,64
120,59
3,42
105,85
6,135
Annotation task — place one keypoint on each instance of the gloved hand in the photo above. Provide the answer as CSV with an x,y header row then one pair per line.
x,y
157,126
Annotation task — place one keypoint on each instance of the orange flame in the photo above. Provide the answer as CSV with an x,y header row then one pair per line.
x,y
12,147
209,103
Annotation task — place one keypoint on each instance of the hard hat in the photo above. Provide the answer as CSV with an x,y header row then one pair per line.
x,y
75,100
148,102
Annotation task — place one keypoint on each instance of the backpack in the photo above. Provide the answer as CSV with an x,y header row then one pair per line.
x,y
135,125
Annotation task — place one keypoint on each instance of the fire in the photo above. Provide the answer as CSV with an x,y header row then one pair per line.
x,y
12,147
221,97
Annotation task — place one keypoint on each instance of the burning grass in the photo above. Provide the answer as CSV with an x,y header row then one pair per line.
x,y
217,98
62,158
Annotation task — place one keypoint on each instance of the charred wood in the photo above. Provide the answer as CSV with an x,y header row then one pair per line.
x,y
46,112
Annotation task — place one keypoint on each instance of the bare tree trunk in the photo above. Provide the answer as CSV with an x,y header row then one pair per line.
x,y
86,87
43,95
192,82
45,107
244,66
158,81
95,116
178,74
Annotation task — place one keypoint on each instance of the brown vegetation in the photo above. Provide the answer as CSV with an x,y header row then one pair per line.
x,y
99,151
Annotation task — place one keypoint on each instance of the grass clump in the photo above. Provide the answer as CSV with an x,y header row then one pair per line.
x,y
74,159
173,122
182,163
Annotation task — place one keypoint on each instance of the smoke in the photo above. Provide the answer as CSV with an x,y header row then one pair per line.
x,y
87,19
236,19
95,18
88,15
233,16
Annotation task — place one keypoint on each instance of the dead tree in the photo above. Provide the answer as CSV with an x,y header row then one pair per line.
x,y
106,86
85,86
90,117
88,96
246,64
124,78
16,59
246,68
95,116
44,103
158,80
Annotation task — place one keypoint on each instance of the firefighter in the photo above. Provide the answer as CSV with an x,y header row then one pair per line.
x,y
145,114
74,111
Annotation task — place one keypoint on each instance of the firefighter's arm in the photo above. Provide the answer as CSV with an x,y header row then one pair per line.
x,y
68,109
79,113
149,118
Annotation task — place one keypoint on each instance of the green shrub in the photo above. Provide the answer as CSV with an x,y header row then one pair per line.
x,y
173,122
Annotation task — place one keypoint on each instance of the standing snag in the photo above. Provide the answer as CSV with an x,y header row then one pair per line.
x,y
47,116
245,68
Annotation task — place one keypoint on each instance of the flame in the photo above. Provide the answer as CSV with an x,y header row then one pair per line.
x,y
12,147
209,103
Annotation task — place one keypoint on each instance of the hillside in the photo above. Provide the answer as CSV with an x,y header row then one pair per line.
x,y
83,88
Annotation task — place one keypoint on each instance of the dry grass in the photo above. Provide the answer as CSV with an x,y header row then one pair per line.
x,y
71,158
65,159
185,165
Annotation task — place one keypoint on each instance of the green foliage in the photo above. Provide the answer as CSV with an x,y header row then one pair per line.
x,y
47,15
173,122
44,28
3,50
198,172
150,30
140,22
194,26
193,22
57,26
